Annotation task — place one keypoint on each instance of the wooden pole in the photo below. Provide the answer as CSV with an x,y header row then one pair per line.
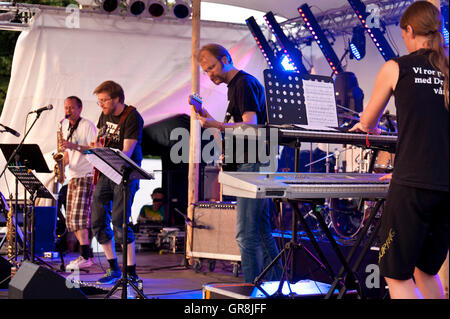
x,y
194,145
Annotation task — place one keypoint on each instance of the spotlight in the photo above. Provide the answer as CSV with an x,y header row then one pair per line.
x,y
261,41
294,55
375,32
319,36
358,44
444,12
157,8
286,64
110,6
181,9
136,7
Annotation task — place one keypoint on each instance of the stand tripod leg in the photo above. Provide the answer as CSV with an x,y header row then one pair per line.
x,y
323,259
354,249
366,246
336,248
124,281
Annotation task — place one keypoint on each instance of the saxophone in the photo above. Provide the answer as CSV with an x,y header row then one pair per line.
x,y
10,231
59,155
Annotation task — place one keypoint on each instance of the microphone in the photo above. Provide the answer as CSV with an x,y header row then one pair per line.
x,y
10,130
44,108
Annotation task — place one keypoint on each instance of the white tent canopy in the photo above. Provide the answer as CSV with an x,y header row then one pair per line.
x,y
285,8
150,59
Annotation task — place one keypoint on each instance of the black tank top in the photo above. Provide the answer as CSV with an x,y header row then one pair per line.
x,y
421,158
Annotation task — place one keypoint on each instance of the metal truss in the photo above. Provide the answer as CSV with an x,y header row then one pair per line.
x,y
338,22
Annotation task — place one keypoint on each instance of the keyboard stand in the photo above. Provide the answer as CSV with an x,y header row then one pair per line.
x,y
341,277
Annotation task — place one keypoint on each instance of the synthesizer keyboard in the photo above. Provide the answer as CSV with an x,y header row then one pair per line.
x,y
303,185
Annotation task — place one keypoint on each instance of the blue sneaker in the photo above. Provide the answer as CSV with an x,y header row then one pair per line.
x,y
110,277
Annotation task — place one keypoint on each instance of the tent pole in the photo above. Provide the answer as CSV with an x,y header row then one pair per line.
x,y
194,145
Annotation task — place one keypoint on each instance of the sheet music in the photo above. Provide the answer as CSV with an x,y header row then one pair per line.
x,y
320,104
110,162
106,169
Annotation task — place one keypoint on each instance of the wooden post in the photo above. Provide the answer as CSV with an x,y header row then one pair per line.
x,y
194,145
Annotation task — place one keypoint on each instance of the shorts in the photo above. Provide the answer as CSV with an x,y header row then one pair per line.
x,y
414,231
78,203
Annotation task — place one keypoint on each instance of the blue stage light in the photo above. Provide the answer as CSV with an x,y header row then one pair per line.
x,y
261,42
444,12
358,44
286,64
445,34
320,38
355,51
374,31
288,48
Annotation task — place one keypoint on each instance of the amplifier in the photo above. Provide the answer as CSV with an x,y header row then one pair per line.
x,y
214,231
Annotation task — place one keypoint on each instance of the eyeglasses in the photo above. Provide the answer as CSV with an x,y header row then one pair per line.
x,y
212,67
101,102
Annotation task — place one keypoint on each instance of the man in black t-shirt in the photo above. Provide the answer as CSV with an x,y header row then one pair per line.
x,y
120,126
246,105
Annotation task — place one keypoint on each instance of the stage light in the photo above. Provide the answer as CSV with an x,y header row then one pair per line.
x,y
261,42
319,36
293,55
181,9
136,7
444,12
445,34
157,8
374,30
110,6
358,43
286,64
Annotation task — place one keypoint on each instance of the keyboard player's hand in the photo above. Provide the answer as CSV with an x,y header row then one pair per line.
x,y
386,177
359,128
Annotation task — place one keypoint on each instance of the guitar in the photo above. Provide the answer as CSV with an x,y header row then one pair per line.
x,y
196,101
101,143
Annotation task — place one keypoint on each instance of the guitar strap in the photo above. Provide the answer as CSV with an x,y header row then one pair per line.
x,y
124,115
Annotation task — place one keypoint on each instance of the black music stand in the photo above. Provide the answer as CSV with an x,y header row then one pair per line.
x,y
121,170
36,190
30,156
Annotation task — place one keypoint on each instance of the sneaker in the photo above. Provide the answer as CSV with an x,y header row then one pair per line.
x,y
110,277
79,263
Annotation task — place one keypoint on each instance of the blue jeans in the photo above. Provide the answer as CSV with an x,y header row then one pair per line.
x,y
107,207
254,235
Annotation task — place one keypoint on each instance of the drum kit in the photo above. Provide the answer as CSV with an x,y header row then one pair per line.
x,y
345,217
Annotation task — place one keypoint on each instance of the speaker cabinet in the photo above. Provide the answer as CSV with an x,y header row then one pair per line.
x,y
35,282
214,231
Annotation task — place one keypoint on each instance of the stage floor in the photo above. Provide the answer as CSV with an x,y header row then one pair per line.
x,y
164,275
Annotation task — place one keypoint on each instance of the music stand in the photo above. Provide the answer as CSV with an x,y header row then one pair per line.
x,y
121,170
36,190
30,156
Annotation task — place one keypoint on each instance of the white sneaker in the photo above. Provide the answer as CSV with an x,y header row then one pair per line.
x,y
78,263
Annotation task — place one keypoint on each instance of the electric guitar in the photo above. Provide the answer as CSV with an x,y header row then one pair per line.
x,y
101,143
196,101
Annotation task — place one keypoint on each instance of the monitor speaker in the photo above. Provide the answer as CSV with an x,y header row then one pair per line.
x,y
35,282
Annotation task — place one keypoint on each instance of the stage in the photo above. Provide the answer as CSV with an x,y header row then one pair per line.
x,y
163,274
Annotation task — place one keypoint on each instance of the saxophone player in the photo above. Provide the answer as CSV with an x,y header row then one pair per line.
x,y
77,133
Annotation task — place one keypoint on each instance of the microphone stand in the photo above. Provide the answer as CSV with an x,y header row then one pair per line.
x,y
14,155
